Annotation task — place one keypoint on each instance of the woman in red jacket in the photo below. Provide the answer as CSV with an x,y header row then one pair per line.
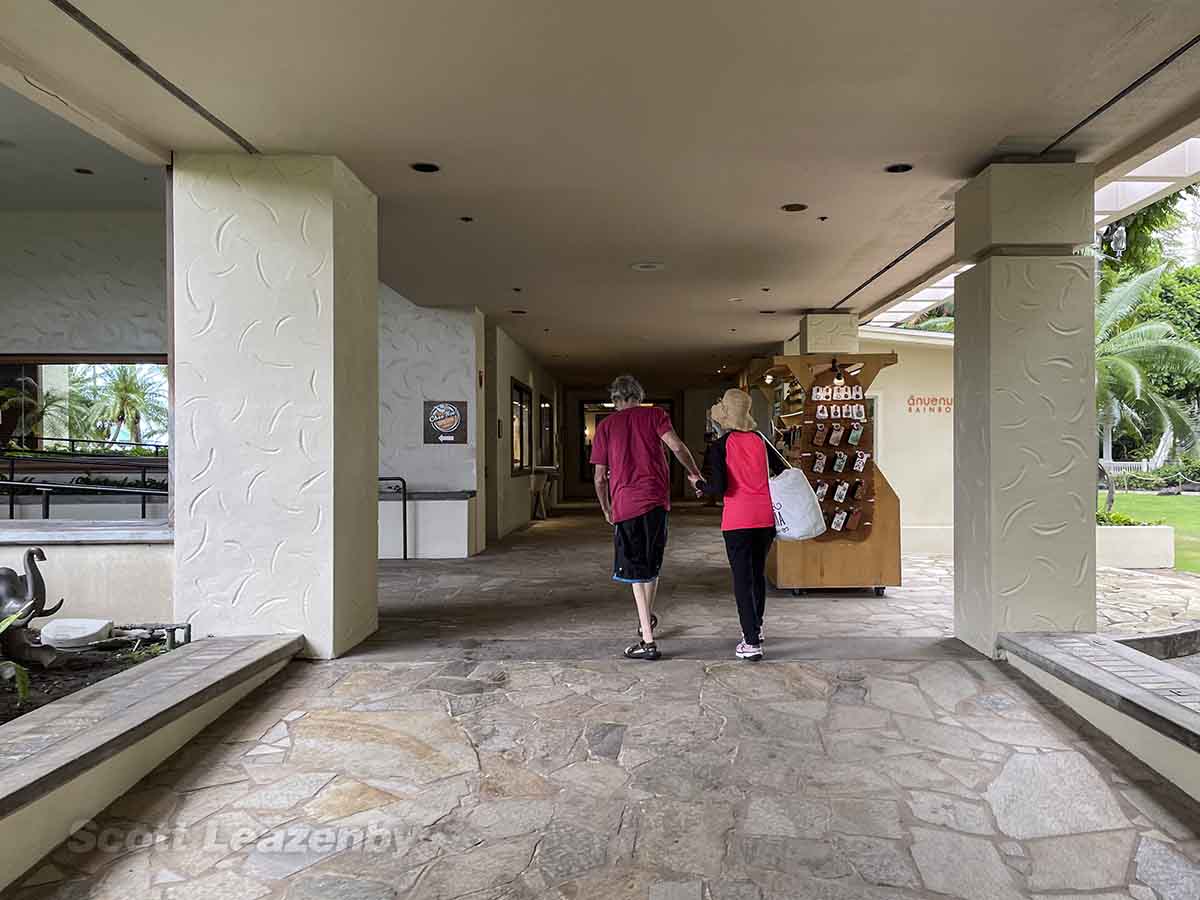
x,y
741,463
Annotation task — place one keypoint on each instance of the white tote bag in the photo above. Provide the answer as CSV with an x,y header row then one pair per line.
x,y
798,515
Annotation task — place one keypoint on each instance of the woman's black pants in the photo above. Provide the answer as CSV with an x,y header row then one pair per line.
x,y
747,549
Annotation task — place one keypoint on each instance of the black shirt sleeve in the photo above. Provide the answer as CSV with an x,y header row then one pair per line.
x,y
716,478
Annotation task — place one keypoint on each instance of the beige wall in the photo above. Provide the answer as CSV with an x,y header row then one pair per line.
x,y
128,583
915,434
508,498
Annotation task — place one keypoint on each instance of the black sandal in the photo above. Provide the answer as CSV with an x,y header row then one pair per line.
x,y
642,650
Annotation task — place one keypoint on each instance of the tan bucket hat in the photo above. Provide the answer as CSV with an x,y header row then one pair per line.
x,y
732,412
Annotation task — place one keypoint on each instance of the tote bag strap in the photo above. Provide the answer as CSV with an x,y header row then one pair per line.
x,y
775,450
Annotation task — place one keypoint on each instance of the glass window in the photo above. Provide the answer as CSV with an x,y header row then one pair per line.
x,y
522,428
546,423
85,406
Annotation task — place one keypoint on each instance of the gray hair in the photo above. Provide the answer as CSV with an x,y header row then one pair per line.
x,y
628,389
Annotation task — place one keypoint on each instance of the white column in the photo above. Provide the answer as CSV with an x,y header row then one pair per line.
x,y
1024,411
276,390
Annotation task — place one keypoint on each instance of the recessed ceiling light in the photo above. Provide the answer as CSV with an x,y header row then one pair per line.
x,y
466,218
794,207
822,218
647,266
733,331
898,168
766,312
765,290
736,300
517,290
84,172
425,167
519,312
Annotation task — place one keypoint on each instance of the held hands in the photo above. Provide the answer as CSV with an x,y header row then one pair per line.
x,y
696,480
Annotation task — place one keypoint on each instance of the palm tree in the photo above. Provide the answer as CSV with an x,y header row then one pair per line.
x,y
38,412
129,397
1126,354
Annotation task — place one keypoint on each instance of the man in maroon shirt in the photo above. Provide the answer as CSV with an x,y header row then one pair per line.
x,y
633,483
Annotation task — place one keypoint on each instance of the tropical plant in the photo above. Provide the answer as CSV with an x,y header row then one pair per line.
x,y
38,412
9,670
129,398
1144,232
940,318
1128,352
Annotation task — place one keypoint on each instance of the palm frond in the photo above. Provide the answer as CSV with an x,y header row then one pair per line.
x,y
1120,301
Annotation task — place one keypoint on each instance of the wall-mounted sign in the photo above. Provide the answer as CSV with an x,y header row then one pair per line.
x,y
918,403
445,422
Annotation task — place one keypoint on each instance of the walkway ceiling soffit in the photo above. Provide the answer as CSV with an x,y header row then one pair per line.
x,y
580,146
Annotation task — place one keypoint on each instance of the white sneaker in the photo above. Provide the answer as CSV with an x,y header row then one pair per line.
x,y
749,651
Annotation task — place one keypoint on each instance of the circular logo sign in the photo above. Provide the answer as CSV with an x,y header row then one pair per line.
x,y
445,418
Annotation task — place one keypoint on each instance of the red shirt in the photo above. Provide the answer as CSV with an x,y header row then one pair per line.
x,y
747,492
630,443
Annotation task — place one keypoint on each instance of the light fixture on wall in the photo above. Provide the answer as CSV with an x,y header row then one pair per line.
x,y
769,378
838,378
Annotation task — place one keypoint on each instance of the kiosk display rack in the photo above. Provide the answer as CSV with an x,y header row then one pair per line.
x,y
826,427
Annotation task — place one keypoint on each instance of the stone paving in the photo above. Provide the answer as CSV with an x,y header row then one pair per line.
x,y
551,580
689,779
682,780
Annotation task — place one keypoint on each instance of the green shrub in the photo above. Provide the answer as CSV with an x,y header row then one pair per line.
x,y
9,670
1116,518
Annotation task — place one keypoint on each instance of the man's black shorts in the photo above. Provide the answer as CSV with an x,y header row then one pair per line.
x,y
639,544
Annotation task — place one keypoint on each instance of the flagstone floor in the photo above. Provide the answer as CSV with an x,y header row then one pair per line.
x,y
479,773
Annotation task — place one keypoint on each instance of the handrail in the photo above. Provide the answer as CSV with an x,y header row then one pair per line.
x,y
71,442
49,487
403,490
84,460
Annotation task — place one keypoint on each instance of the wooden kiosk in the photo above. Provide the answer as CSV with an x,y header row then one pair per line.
x,y
825,425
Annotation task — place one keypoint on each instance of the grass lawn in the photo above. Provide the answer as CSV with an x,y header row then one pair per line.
x,y
1182,513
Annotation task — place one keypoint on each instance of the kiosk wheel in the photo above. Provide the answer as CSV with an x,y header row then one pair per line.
x,y
880,591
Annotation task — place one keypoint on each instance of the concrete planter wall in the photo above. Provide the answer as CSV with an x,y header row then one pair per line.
x,y
1135,546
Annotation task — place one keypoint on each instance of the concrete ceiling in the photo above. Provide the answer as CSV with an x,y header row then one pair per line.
x,y
39,153
584,137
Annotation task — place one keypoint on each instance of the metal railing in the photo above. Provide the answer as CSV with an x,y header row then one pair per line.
x,y
47,488
158,449
401,488
141,465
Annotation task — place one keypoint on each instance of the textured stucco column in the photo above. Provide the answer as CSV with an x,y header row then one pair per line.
x,y
276,389
1024,411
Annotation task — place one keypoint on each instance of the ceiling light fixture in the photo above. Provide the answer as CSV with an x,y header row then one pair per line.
x,y
769,378
898,168
466,218
84,172
736,300
766,312
647,266
822,218
425,168
794,207
517,290
733,331
765,290
519,312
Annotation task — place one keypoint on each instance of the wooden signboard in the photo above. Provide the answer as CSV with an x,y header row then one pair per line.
x,y
828,430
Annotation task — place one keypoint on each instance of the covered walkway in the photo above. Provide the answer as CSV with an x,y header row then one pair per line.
x,y
547,587
487,745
